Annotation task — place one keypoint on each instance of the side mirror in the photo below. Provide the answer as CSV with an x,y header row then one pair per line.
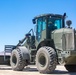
x,y
34,21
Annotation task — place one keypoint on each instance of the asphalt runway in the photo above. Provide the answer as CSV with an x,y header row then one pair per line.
x,y
32,70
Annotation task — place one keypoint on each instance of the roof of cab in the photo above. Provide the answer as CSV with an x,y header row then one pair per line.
x,y
47,15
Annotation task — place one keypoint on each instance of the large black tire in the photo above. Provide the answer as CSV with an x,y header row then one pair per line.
x,y
46,60
17,62
70,68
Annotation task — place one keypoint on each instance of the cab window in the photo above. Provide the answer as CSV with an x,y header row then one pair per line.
x,y
41,25
54,23
44,24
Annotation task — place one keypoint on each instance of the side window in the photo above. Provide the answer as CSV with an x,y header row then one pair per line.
x,y
54,23
51,25
39,24
58,23
44,24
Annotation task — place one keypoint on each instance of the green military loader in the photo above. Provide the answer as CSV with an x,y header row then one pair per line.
x,y
51,44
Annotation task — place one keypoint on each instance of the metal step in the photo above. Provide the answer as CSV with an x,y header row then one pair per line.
x,y
7,51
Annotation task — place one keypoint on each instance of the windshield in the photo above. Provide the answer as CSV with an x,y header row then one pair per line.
x,y
54,23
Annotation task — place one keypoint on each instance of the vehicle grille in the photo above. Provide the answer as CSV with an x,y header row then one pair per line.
x,y
69,41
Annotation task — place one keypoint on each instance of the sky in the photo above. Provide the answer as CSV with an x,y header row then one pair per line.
x,y
16,16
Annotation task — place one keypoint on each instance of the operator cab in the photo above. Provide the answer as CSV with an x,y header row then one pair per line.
x,y
48,22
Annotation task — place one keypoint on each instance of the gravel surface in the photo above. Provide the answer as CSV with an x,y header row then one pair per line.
x,y
32,70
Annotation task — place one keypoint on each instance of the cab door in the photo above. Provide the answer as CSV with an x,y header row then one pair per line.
x,y
41,30
38,32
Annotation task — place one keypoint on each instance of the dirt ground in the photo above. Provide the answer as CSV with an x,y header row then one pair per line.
x,y
32,70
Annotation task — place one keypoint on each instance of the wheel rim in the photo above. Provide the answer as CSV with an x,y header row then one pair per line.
x,y
42,60
14,59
